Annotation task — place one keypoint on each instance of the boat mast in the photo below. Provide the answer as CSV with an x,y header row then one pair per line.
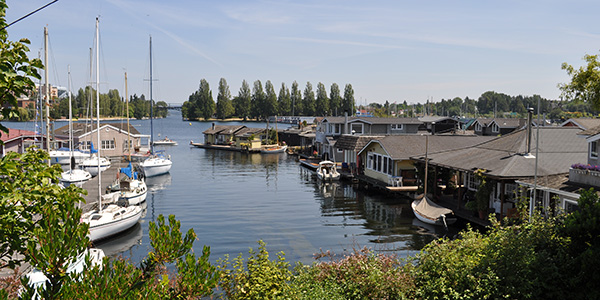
x,y
426,166
127,107
151,103
98,114
47,88
70,122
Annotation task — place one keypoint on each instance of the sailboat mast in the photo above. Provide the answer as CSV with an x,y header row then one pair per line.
x,y
47,88
426,165
98,114
70,121
151,103
127,107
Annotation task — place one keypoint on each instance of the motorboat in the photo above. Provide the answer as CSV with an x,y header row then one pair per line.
x,y
165,142
327,171
131,187
432,213
156,164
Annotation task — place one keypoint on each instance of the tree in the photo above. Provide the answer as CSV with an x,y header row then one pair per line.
x,y
258,99
348,100
322,102
270,103
296,98
205,105
224,106
284,101
308,102
16,70
585,82
242,101
335,100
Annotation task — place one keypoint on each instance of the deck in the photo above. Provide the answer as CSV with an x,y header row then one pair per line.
x,y
224,147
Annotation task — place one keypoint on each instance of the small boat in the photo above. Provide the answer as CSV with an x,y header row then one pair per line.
x,y
429,212
327,171
132,189
165,142
95,164
274,149
63,155
73,176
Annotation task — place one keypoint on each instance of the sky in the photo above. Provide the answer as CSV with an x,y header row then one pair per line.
x,y
394,50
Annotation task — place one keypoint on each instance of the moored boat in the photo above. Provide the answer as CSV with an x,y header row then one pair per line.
x,y
327,171
430,212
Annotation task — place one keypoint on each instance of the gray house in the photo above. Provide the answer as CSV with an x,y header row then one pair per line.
x,y
497,126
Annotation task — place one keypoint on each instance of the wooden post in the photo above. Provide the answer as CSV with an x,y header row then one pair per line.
x,y
502,191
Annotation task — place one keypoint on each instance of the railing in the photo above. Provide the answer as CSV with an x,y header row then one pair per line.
x,y
588,177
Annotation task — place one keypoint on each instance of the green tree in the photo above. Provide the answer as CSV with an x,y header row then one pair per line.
x,y
205,105
308,102
258,99
284,101
585,82
16,69
348,100
270,103
322,102
296,97
335,100
242,102
224,106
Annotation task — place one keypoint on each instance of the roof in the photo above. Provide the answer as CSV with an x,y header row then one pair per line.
x,y
401,147
372,120
353,142
430,119
223,129
80,128
14,134
558,182
505,156
483,121
591,131
583,123
509,122
247,131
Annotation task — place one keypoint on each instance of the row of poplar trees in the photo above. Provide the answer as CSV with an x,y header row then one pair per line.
x,y
261,103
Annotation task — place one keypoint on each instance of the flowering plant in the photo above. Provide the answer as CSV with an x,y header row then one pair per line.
x,y
586,167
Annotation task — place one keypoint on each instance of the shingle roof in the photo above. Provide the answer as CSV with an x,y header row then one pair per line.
x,y
14,133
407,146
509,122
353,142
583,123
429,119
223,129
80,129
559,148
373,120
248,131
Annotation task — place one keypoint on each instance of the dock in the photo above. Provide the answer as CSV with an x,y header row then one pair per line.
x,y
108,177
225,147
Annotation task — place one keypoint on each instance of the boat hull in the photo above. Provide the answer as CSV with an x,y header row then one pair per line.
x,y
439,221
107,226
274,150
76,177
64,157
156,166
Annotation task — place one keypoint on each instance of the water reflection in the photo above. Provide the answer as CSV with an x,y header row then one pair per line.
x,y
122,243
157,183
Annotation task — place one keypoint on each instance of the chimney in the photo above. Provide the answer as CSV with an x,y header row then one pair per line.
x,y
529,118
213,126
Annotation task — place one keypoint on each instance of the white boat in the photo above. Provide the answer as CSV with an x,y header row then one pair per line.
x,y
95,165
132,188
165,142
112,219
274,149
73,176
37,277
327,171
63,156
157,163
430,212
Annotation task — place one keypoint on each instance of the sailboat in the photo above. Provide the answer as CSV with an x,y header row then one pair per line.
x,y
157,163
73,176
274,148
428,211
112,219
131,186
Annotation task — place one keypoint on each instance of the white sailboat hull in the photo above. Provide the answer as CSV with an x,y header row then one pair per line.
x,y
439,219
74,176
64,157
156,166
136,195
112,220
91,165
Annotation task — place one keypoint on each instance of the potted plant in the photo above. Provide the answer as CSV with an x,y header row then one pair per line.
x,y
482,196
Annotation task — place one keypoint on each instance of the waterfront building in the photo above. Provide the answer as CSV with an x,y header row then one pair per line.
x,y
18,140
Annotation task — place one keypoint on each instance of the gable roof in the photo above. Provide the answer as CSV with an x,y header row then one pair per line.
x,y
81,129
372,120
225,129
437,119
583,123
353,142
509,122
248,131
558,149
401,147
14,134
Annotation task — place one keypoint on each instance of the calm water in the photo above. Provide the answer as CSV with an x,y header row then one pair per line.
x,y
232,200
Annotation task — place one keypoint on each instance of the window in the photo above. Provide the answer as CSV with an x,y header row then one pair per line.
x,y
477,126
108,145
339,150
495,128
356,128
127,147
397,126
472,182
85,145
594,149
380,163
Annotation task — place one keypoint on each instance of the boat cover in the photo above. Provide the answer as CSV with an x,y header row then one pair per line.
x,y
431,209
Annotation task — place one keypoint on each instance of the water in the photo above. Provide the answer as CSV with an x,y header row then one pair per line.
x,y
232,200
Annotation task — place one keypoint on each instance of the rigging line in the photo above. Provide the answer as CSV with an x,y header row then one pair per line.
x,y
29,14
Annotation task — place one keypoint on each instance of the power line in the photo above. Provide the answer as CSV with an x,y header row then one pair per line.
x,y
29,14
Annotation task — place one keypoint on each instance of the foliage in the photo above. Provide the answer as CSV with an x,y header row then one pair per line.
x,y
224,106
322,101
17,71
586,167
308,101
361,274
484,190
257,277
348,102
585,82
284,101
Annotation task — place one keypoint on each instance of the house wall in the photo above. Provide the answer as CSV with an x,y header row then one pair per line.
x,y
593,158
209,139
119,141
379,129
373,148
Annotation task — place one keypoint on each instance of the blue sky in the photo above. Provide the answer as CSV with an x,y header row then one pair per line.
x,y
388,50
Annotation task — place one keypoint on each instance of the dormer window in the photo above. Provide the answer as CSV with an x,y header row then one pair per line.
x,y
495,128
477,126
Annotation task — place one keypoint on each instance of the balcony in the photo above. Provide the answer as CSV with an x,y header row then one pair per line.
x,y
588,175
